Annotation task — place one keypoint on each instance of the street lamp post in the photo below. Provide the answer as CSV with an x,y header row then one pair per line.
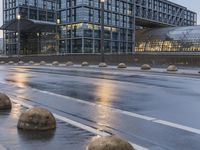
x,y
102,31
18,28
57,35
38,43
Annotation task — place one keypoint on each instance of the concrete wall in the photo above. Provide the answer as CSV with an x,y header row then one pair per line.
x,y
137,59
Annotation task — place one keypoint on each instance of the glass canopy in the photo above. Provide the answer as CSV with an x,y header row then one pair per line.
x,y
171,39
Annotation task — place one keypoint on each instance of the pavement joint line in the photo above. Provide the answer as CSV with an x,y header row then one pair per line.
x,y
79,125
151,119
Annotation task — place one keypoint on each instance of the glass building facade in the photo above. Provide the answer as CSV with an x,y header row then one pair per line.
x,y
79,26
171,39
80,30
40,37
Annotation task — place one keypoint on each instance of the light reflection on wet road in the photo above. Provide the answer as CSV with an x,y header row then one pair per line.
x,y
174,99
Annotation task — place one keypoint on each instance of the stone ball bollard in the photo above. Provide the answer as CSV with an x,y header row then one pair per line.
x,y
109,143
122,65
37,119
43,63
11,63
31,62
55,63
85,64
69,63
5,102
172,68
20,63
146,67
2,62
102,65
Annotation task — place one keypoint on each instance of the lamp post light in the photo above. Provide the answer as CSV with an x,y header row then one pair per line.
x,y
102,31
18,28
57,35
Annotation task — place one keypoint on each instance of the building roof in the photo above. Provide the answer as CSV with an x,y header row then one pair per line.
x,y
28,25
169,33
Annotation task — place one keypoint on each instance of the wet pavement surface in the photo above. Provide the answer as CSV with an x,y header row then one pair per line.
x,y
106,100
65,136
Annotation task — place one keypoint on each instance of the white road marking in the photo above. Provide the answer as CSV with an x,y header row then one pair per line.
x,y
98,105
178,126
79,125
143,117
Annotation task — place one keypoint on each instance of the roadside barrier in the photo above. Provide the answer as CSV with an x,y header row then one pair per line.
x,y
145,67
172,68
122,65
5,102
109,143
36,119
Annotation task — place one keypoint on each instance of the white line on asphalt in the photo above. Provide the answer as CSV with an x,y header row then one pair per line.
x,y
79,125
98,105
178,126
155,120
147,118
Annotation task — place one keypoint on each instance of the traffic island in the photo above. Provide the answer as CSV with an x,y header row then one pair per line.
x,y
85,64
109,143
146,67
172,68
102,65
122,66
5,103
55,63
37,119
69,63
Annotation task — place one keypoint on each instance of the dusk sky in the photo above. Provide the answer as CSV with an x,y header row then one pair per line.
x,y
192,5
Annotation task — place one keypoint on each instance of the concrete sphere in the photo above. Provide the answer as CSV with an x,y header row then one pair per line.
x,y
42,63
146,67
2,62
31,62
122,65
85,64
20,63
37,119
69,63
102,64
172,68
5,102
11,63
55,63
109,143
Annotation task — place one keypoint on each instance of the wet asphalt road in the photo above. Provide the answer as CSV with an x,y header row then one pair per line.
x,y
70,92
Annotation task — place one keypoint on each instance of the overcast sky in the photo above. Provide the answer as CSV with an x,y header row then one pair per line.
x,y
191,4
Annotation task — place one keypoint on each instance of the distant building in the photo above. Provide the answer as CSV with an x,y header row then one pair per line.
x,y
74,26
